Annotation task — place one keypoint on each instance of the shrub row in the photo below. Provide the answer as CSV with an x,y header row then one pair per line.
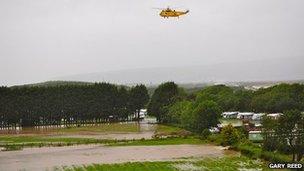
x,y
254,151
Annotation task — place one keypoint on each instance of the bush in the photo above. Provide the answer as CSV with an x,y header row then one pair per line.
x,y
254,151
249,150
12,148
215,138
275,157
270,143
283,148
205,134
230,135
244,134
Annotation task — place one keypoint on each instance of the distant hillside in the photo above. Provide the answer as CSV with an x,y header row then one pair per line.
x,y
284,69
189,88
54,83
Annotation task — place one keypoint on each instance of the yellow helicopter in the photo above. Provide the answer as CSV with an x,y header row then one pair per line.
x,y
168,12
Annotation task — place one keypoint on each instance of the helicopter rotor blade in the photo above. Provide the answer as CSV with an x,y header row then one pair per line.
x,y
158,8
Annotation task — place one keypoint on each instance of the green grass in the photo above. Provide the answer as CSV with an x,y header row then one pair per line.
x,y
36,141
217,164
14,142
136,166
28,139
254,151
167,129
160,141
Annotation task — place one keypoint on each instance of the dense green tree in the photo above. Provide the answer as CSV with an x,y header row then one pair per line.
x,y
205,115
139,97
65,104
244,98
285,134
290,132
279,98
269,135
226,97
230,135
179,112
163,96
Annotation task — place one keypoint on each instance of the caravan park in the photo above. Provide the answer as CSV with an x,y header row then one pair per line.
x,y
167,130
151,85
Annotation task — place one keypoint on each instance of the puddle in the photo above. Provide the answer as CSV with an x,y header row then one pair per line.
x,y
48,158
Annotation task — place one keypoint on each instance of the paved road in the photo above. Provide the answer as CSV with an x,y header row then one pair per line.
x,y
51,157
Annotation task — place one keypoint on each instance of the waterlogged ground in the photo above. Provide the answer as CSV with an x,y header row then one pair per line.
x,y
110,146
229,163
50,158
119,131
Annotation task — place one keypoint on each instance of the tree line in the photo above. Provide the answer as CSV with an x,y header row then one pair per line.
x,y
199,111
285,134
101,102
69,104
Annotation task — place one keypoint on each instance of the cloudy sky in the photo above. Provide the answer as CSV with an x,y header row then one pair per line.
x,y
45,39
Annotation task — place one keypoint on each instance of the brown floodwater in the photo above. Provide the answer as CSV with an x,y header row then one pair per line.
x,y
111,136
50,158
146,131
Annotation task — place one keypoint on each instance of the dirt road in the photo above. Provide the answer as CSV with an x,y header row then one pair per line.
x,y
49,158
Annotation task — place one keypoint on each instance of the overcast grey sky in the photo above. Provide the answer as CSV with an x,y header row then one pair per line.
x,y
43,39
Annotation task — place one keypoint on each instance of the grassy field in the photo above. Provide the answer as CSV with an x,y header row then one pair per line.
x,y
18,142
212,164
33,139
36,141
166,129
160,141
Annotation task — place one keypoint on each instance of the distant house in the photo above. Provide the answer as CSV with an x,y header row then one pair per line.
x,y
245,115
257,116
274,115
230,115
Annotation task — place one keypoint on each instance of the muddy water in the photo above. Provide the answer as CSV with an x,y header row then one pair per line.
x,y
146,130
113,136
49,158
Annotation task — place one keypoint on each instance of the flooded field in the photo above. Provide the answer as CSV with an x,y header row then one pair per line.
x,y
119,131
111,136
50,158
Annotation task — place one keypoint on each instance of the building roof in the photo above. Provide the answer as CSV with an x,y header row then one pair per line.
x,y
246,113
229,113
274,114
